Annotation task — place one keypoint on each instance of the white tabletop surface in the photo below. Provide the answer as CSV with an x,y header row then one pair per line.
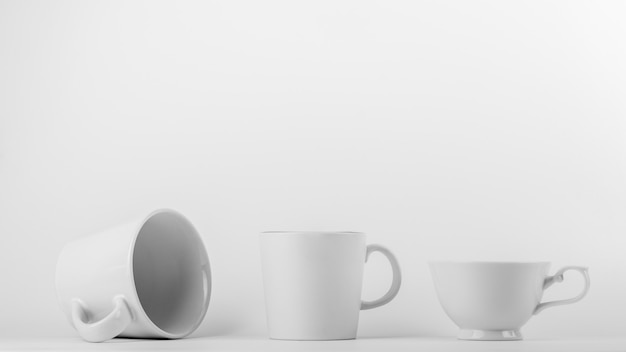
x,y
232,343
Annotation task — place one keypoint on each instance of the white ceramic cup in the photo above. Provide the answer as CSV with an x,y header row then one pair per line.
x,y
313,282
493,300
149,278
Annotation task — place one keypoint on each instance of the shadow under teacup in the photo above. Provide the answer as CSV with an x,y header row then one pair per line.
x,y
493,300
148,278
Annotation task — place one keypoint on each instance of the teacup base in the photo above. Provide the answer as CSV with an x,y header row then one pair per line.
x,y
489,335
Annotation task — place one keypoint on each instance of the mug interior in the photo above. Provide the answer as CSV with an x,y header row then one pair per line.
x,y
170,271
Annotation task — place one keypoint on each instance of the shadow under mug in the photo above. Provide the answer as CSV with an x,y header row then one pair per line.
x,y
313,281
493,300
149,278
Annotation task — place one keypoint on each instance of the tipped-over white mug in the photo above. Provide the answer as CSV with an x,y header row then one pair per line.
x,y
148,278
493,300
313,282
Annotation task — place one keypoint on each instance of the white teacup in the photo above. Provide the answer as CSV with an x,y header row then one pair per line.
x,y
148,278
493,300
313,283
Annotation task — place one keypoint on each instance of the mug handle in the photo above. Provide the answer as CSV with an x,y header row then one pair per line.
x,y
395,282
558,277
105,329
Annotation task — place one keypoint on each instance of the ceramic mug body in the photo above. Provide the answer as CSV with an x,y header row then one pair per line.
x,y
149,278
312,283
493,300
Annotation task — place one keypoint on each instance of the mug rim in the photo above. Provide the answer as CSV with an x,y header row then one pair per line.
x,y
324,233
131,275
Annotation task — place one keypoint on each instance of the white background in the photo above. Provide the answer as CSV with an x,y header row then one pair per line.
x,y
490,130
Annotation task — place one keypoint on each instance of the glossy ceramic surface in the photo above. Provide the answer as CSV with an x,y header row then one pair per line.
x,y
149,278
313,282
493,300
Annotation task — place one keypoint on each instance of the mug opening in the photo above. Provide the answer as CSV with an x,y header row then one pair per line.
x,y
171,273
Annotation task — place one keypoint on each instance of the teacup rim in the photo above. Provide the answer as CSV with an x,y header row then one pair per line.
x,y
498,262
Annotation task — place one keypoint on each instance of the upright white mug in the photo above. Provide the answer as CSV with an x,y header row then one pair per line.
x,y
493,300
313,282
148,278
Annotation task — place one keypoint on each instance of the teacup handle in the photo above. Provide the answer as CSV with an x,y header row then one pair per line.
x,y
395,282
105,329
558,277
